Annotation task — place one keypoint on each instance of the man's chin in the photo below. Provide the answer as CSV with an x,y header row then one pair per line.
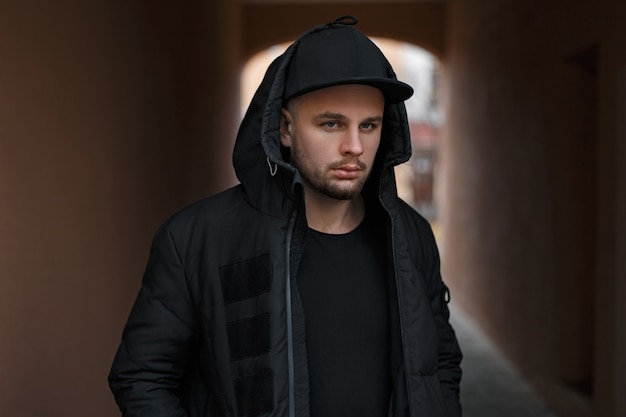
x,y
338,190
339,193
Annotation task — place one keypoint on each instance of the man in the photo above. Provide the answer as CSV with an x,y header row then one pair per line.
x,y
310,289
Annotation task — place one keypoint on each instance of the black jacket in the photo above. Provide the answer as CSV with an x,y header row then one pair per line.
x,y
217,328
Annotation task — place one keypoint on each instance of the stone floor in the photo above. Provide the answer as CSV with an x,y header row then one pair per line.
x,y
491,387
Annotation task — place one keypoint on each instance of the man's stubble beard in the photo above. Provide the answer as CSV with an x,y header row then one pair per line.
x,y
316,178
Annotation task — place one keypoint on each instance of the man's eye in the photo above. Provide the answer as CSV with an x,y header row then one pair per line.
x,y
330,125
368,126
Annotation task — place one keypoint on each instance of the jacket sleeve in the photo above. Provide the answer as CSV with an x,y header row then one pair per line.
x,y
149,365
449,353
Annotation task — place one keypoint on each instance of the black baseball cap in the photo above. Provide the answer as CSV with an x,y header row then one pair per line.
x,y
337,54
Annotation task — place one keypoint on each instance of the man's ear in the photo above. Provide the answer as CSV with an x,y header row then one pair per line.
x,y
286,128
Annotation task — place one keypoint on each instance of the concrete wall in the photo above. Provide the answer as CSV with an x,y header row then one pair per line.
x,y
610,271
267,24
104,111
531,176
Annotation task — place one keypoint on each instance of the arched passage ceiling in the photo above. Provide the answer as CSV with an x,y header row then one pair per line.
x,y
267,23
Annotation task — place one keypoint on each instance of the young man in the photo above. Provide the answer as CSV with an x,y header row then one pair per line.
x,y
310,289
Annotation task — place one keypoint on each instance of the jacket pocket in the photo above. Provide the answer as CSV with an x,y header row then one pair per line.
x,y
246,279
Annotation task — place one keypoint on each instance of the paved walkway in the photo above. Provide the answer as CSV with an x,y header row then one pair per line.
x,y
491,387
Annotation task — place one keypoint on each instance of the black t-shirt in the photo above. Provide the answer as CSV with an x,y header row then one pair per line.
x,y
343,289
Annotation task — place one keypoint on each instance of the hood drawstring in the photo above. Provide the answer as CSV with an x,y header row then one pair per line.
x,y
272,170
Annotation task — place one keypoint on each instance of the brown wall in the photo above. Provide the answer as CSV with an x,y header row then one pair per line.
x,y
527,170
104,107
268,24
610,270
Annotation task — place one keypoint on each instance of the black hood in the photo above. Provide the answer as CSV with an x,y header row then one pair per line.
x,y
268,179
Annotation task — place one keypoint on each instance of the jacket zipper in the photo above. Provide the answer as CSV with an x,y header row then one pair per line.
x,y
290,358
400,307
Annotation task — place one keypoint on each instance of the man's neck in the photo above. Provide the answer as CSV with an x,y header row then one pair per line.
x,y
332,216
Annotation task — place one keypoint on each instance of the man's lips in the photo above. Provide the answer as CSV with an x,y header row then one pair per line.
x,y
347,171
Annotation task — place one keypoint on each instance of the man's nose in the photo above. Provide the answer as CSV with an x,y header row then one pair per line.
x,y
352,143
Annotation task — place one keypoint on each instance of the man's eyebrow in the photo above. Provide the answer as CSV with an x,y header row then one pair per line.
x,y
373,119
339,116
330,115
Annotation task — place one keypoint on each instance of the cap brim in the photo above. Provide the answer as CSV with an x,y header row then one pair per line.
x,y
394,91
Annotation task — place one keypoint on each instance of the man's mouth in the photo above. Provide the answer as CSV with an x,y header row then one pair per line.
x,y
348,171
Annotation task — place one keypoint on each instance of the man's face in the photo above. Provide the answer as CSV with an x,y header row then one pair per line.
x,y
333,134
